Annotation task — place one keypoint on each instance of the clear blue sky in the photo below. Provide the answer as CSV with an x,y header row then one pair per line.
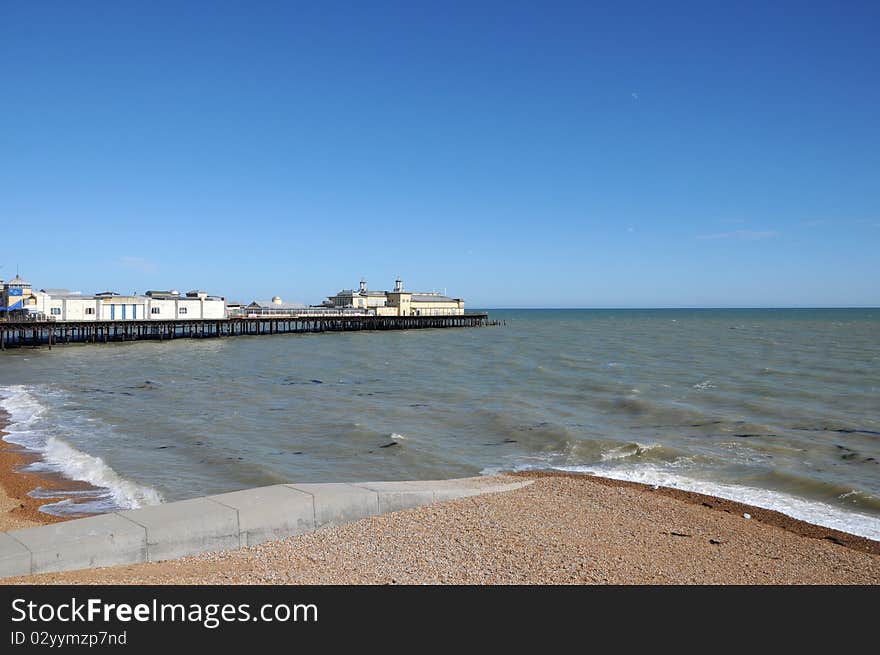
x,y
516,154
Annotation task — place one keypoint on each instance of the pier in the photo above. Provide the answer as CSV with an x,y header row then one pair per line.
x,y
51,333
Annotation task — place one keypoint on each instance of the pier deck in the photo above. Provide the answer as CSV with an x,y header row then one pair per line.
x,y
49,333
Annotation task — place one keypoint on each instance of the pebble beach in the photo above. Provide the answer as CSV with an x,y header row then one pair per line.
x,y
562,529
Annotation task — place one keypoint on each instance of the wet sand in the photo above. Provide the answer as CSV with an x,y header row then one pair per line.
x,y
562,529
17,508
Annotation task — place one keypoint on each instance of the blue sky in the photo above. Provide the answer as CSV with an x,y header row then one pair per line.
x,y
516,154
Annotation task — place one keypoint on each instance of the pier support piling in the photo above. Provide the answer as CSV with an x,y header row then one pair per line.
x,y
50,333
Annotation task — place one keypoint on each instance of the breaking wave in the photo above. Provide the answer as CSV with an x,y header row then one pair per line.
x,y
31,426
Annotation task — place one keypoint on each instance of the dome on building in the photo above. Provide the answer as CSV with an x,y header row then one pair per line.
x,y
276,300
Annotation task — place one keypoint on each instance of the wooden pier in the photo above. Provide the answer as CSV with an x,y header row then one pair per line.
x,y
50,333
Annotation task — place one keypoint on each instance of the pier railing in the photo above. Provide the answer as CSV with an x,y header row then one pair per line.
x,y
49,333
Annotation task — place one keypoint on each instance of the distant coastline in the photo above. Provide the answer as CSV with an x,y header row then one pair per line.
x,y
695,308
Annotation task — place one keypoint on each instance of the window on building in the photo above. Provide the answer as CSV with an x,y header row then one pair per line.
x,y
154,310
56,311
90,310
183,310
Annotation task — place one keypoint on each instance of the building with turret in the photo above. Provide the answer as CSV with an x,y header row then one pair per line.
x,y
362,298
16,296
396,303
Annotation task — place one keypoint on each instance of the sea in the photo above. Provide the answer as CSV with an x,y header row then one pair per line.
x,y
776,408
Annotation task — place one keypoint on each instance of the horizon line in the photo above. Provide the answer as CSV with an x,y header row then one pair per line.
x,y
687,307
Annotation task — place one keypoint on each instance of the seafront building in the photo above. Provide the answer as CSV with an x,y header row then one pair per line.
x,y
18,300
396,303
59,316
358,302
16,296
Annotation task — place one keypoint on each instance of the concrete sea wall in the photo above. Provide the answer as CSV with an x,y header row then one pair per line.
x,y
221,522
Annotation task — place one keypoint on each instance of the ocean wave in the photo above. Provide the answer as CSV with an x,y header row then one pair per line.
x,y
628,450
650,411
77,465
30,426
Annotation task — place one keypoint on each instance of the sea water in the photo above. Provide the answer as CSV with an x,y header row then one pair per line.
x,y
777,408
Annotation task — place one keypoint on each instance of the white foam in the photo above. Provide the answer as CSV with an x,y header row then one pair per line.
x,y
78,465
398,437
627,450
671,475
24,411
28,427
799,508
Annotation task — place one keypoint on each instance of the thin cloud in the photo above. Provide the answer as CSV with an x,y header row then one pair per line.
x,y
138,264
635,96
741,235
630,229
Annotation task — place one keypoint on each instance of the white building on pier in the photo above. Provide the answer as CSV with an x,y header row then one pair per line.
x,y
19,300
396,303
66,306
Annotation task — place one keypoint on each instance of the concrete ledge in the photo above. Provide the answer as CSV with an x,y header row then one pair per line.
x,y
337,503
186,527
221,522
103,540
270,513
407,492
15,558
453,489
395,496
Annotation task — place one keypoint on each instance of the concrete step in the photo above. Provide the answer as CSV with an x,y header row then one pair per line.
x,y
221,522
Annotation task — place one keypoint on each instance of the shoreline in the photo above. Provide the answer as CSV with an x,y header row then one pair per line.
x,y
769,516
20,510
17,508
562,529
652,535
